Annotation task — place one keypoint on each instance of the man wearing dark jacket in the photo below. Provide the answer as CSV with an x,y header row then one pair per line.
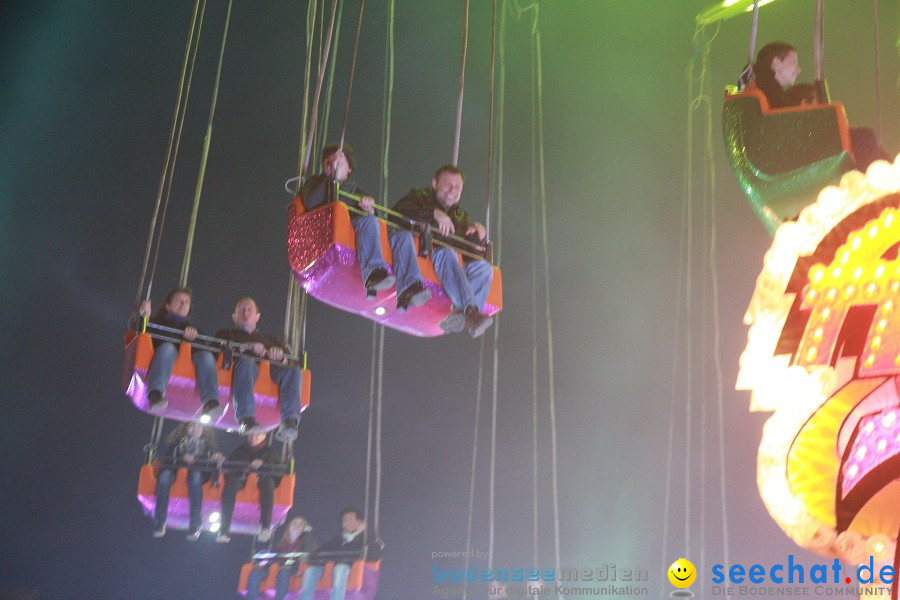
x,y
257,456
350,541
246,370
467,286
337,165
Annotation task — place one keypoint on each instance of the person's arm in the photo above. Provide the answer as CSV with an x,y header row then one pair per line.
x,y
415,205
314,191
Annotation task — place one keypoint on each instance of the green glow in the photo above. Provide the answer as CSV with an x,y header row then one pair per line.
x,y
725,9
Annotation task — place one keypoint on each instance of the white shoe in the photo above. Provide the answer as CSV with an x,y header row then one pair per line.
x,y
265,534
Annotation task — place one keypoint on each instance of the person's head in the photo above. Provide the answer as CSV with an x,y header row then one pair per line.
x,y
338,163
177,302
447,184
246,314
256,439
350,519
802,93
192,429
295,528
778,59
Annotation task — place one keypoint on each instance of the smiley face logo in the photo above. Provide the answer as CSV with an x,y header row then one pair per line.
x,y
682,573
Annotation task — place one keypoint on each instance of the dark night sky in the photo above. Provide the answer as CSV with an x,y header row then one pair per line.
x,y
88,92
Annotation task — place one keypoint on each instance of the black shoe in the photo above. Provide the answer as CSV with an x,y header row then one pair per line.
x,y
378,280
248,425
212,409
157,400
454,322
476,322
287,431
415,295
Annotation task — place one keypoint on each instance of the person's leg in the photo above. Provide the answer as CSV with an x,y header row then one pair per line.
x,y
206,375
266,486
479,274
233,482
339,576
243,380
452,276
254,581
163,486
311,577
161,367
866,148
289,380
195,498
406,266
368,249
283,581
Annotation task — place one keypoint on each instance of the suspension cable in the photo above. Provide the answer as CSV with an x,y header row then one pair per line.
x,y
362,7
323,130
462,81
318,91
193,31
185,265
310,35
474,464
819,43
490,164
878,130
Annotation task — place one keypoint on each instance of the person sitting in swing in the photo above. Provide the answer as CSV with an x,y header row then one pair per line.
x,y
467,285
297,537
776,70
254,455
246,370
337,165
349,540
175,313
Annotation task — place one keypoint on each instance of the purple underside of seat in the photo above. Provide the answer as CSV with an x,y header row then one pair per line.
x,y
184,403
245,519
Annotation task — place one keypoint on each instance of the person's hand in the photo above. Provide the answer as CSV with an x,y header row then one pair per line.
x,y
362,527
275,354
477,228
258,348
445,224
218,458
145,308
188,459
367,203
190,333
256,463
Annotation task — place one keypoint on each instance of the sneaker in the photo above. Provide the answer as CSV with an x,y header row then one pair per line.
x,y
223,538
379,279
476,322
212,409
265,534
194,535
157,400
415,295
159,531
454,322
248,425
287,431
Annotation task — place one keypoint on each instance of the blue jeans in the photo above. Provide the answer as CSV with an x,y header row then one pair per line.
x,y
406,265
204,364
288,379
259,574
467,285
368,245
313,574
195,496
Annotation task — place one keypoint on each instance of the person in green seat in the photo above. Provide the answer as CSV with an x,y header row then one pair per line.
x,y
775,73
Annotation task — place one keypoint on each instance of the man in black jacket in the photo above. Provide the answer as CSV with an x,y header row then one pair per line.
x,y
468,285
246,370
337,165
350,541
